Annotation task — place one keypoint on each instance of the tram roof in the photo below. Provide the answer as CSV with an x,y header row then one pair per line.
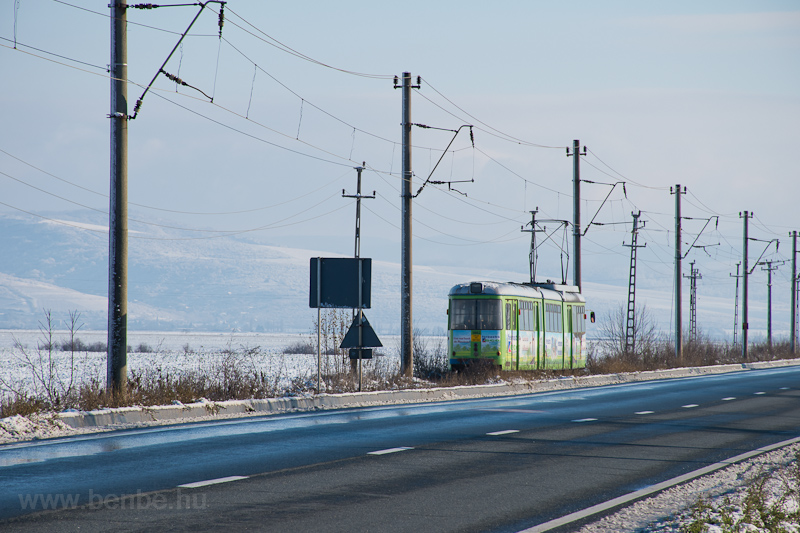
x,y
549,291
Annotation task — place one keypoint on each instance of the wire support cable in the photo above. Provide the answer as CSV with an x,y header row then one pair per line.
x,y
17,43
499,239
259,139
622,175
108,16
303,99
519,175
165,226
62,222
176,211
268,39
492,131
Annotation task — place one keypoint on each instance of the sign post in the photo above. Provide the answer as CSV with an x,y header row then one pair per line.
x,y
342,283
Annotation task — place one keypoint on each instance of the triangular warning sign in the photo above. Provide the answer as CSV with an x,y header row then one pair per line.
x,y
368,336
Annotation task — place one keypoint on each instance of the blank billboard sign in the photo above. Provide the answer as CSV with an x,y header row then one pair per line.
x,y
338,282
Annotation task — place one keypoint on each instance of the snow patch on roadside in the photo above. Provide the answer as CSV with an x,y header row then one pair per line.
x,y
671,510
37,426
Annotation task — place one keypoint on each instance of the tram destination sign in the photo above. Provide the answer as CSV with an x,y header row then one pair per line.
x,y
340,282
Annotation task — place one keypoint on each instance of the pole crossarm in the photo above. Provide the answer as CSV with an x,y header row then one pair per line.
x,y
777,245
160,70
428,180
708,221
613,186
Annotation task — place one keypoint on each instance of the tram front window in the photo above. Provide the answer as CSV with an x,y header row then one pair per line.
x,y
476,314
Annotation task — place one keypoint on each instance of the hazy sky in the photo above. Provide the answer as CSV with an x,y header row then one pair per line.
x,y
701,93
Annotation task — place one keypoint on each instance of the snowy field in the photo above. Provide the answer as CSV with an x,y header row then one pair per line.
x,y
174,353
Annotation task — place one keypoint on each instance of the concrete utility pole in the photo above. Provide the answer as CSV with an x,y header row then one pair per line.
x,y
117,362
532,255
355,364
678,275
406,285
746,216
736,305
576,210
793,327
769,270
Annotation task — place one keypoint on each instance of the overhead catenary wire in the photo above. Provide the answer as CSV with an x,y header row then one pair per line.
x,y
17,43
183,212
729,248
268,39
130,22
147,223
492,131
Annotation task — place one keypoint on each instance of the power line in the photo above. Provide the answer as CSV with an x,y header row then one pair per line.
x,y
497,133
303,99
201,213
108,16
291,51
17,43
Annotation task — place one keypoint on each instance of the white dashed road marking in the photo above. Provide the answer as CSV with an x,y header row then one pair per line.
x,y
689,406
729,398
585,420
390,450
504,432
197,484
644,413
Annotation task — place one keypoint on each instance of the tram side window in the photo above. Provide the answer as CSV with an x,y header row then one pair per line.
x,y
462,314
579,319
476,314
489,314
526,316
554,322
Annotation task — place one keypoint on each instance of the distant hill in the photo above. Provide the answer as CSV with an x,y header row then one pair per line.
x,y
228,284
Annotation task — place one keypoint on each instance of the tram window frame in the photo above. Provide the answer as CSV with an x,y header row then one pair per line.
x,y
476,314
579,319
462,314
554,318
486,317
526,315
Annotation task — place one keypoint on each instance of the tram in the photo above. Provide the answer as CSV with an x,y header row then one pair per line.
x,y
517,326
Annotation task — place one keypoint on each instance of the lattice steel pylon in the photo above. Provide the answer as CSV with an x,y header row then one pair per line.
x,y
630,321
693,276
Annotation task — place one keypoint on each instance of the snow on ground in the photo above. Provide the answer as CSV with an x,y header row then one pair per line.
x,y
671,510
174,352
170,353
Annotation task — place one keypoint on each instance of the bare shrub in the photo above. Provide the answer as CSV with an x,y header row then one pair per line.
x,y
49,386
300,348
143,347
430,362
611,353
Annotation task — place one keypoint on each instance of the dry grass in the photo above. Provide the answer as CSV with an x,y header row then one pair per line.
x,y
233,373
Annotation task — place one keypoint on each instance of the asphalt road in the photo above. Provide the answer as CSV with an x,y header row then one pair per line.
x,y
500,464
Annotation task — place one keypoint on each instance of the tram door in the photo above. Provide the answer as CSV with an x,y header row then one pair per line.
x,y
538,336
512,335
569,333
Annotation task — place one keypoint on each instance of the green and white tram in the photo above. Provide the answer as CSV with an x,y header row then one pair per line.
x,y
517,326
